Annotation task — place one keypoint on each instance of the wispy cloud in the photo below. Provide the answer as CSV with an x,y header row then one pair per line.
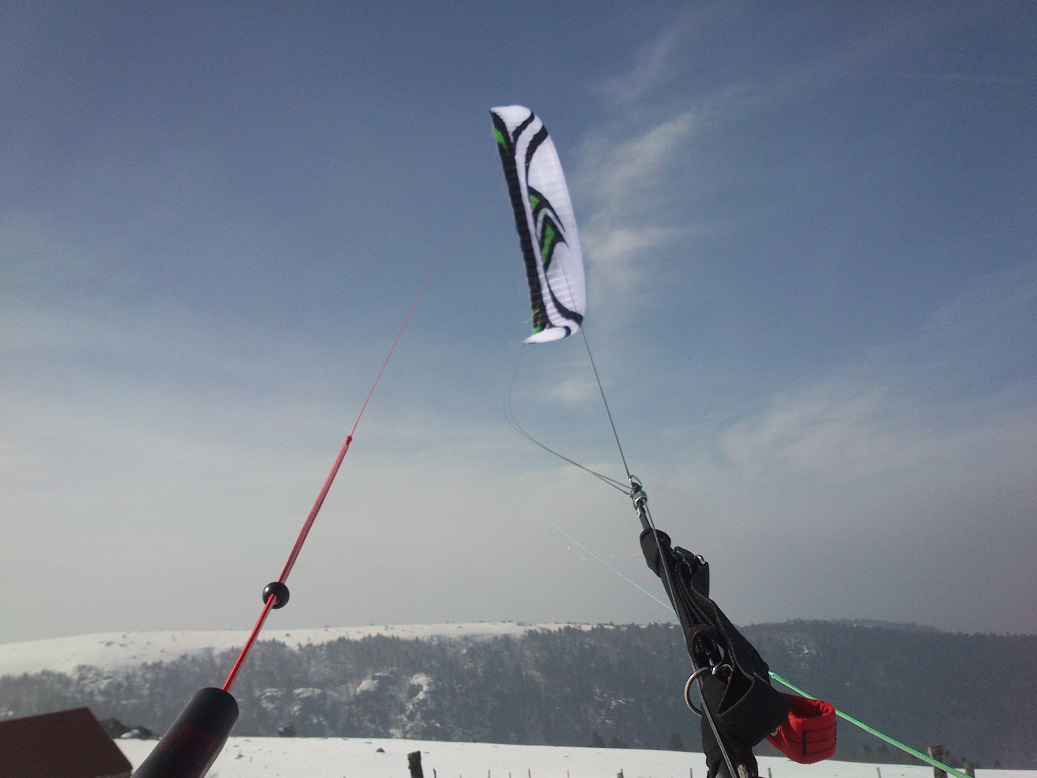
x,y
625,180
626,168
830,431
928,404
651,69
842,431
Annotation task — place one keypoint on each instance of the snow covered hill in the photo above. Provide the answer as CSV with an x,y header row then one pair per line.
x,y
117,650
526,683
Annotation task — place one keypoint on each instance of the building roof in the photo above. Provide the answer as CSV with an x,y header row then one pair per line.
x,y
65,744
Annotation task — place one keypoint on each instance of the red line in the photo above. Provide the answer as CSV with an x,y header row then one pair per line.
x,y
314,511
248,644
271,599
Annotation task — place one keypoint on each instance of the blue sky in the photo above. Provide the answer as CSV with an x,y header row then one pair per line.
x,y
810,245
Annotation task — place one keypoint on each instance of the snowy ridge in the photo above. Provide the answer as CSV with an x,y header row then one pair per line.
x,y
118,650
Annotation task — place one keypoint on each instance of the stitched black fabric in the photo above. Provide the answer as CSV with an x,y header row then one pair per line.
x,y
745,707
740,753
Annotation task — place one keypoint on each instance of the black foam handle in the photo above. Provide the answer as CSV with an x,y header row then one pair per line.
x,y
191,745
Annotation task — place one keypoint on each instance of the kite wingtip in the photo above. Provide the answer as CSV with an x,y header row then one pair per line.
x,y
548,334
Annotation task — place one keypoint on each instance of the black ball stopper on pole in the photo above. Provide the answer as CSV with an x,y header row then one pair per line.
x,y
280,592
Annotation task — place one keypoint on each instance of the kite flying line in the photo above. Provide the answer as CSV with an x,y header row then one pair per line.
x,y
196,738
275,594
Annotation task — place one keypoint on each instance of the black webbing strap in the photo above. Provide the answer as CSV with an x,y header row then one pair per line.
x,y
745,707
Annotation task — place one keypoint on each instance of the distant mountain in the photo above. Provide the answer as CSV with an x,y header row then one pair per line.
x,y
551,685
885,625
114,650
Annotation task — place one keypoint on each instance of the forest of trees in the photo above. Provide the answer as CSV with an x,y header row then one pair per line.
x,y
612,686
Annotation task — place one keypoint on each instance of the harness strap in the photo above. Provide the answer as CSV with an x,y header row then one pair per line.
x,y
743,706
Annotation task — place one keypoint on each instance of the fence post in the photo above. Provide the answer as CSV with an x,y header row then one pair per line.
x,y
414,764
936,752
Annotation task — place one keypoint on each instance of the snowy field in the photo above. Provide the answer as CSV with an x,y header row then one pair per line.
x,y
245,757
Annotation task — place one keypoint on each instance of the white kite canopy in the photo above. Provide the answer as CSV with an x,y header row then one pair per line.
x,y
545,221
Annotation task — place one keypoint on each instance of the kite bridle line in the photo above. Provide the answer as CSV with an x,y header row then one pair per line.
x,y
640,500
275,594
605,402
510,414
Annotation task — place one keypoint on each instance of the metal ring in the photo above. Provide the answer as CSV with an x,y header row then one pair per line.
x,y
691,679
687,690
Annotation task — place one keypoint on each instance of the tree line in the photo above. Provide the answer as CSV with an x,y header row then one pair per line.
x,y
608,685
